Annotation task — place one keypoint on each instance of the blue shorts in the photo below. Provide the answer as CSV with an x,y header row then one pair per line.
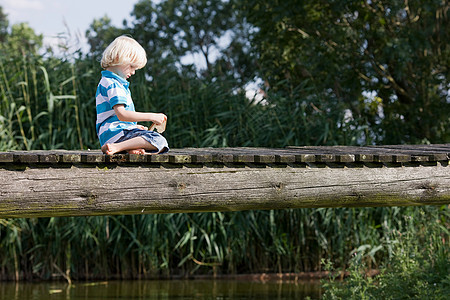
x,y
152,137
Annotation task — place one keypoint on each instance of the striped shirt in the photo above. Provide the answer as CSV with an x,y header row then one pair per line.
x,y
112,90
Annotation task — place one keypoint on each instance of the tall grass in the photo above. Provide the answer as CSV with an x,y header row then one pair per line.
x,y
43,104
215,113
418,265
213,243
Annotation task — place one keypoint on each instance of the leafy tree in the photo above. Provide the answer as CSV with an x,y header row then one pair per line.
x,y
186,26
23,39
4,23
209,29
100,33
387,61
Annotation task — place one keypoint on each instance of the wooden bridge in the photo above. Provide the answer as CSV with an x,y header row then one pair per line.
x,y
81,183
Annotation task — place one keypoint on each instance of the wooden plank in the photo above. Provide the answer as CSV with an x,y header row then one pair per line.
x,y
305,158
284,158
325,158
116,158
26,157
137,158
6,157
265,159
383,158
49,158
438,157
345,158
419,158
401,158
93,157
222,158
163,158
70,157
364,158
309,154
243,158
202,158
180,159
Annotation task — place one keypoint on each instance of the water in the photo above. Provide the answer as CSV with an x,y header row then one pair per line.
x,y
161,290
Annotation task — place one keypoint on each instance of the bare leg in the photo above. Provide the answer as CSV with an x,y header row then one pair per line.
x,y
135,145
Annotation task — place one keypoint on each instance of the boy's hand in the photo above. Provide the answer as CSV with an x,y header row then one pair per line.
x,y
159,119
161,127
142,127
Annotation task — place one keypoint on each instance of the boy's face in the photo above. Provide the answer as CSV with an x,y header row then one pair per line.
x,y
125,70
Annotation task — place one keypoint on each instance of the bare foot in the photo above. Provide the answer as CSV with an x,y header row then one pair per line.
x,y
109,149
136,151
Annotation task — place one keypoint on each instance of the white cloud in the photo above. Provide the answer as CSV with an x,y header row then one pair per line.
x,y
24,4
19,11
54,18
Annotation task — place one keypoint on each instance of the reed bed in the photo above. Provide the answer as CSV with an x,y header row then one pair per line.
x,y
43,104
171,245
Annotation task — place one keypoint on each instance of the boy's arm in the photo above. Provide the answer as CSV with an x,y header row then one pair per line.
x,y
132,116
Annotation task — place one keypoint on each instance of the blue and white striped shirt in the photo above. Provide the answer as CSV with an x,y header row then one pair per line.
x,y
112,90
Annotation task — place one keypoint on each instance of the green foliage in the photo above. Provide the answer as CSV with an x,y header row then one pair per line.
x,y
178,28
292,240
44,103
418,267
23,39
349,51
99,34
4,23
190,26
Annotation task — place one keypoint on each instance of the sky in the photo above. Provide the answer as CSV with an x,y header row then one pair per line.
x,y
53,17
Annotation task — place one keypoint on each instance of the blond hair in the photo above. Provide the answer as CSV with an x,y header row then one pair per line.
x,y
124,50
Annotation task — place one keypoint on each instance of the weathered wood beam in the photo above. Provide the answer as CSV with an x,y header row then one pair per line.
x,y
70,183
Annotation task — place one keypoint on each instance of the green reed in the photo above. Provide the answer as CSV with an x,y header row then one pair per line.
x,y
417,266
211,243
43,104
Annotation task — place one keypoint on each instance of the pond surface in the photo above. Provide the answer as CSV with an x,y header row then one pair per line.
x,y
161,289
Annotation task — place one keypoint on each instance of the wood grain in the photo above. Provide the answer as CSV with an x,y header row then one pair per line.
x,y
81,183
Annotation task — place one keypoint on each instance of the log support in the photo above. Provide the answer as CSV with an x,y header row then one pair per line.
x,y
62,183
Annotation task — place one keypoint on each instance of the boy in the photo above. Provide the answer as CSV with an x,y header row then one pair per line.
x,y
116,117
